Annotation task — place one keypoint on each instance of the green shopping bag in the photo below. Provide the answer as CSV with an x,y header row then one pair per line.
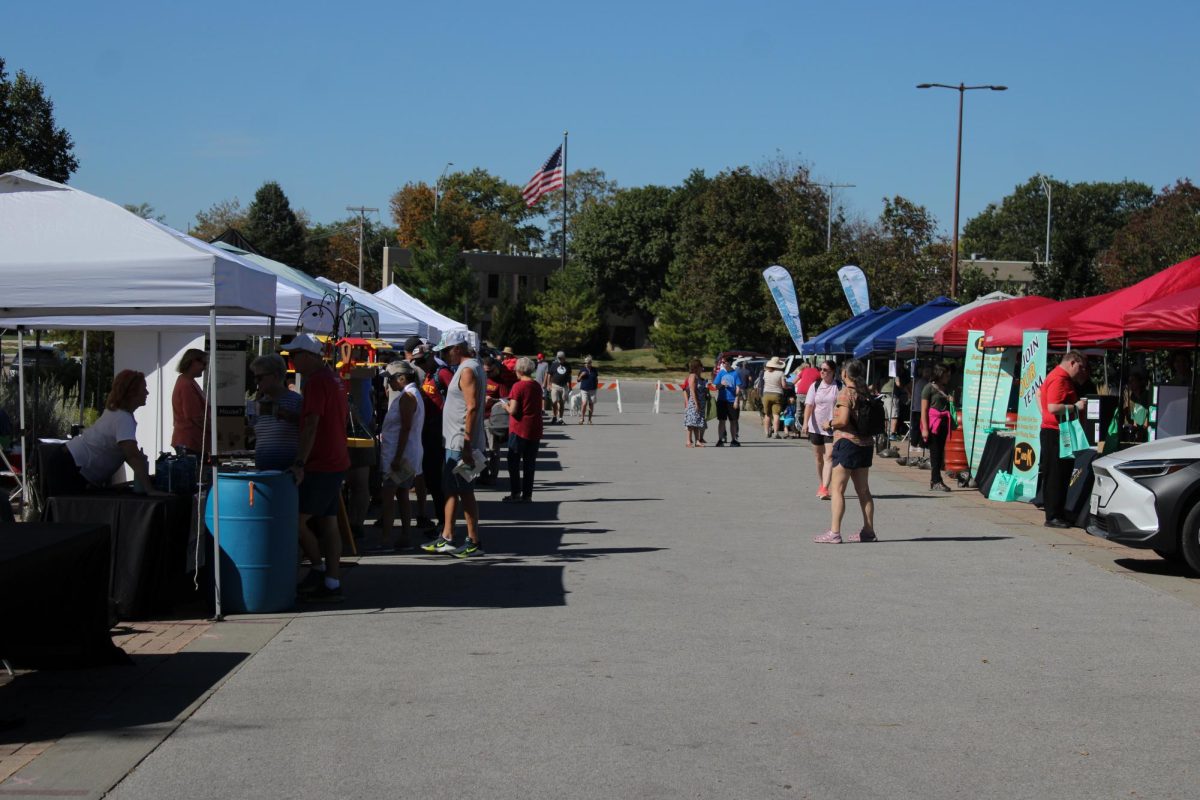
x,y
953,416
1005,488
1112,439
1071,437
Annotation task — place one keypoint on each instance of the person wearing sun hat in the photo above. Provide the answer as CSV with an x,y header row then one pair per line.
x,y
322,460
772,397
463,433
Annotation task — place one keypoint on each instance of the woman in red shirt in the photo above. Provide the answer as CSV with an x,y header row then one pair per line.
x,y
188,404
525,432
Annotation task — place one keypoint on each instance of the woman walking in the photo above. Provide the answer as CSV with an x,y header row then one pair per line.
x,y
400,451
935,424
693,404
853,450
818,414
525,432
772,397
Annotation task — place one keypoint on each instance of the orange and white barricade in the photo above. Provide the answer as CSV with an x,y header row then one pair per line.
x,y
663,386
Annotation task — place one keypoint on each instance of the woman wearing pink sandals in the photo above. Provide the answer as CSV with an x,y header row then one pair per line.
x,y
818,413
852,455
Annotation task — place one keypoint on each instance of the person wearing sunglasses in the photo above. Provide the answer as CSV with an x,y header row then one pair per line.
x,y
277,417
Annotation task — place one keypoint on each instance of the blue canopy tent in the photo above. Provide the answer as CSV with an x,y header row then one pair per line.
x,y
817,344
883,340
844,343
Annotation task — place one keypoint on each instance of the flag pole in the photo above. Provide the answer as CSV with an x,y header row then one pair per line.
x,y
564,199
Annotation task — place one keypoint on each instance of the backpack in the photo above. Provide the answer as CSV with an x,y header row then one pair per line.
x,y
870,417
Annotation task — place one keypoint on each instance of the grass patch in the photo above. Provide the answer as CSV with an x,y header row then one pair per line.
x,y
642,363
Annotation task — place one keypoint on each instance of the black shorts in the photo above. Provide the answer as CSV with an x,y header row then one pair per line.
x,y
725,410
819,438
319,493
849,455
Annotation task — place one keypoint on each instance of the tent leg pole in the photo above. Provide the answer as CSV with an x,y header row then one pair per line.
x,y
272,337
1192,406
21,418
216,493
83,379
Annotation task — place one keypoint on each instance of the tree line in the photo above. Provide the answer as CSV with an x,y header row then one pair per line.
x,y
686,259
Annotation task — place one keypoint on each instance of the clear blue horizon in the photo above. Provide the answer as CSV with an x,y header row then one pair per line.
x,y
183,106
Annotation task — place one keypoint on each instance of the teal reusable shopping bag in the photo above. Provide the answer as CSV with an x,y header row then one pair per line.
x,y
1005,488
1071,437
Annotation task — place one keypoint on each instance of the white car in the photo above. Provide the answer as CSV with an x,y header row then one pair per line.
x,y
1149,497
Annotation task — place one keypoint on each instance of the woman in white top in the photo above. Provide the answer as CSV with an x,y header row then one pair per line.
x,y
772,397
91,458
400,451
818,416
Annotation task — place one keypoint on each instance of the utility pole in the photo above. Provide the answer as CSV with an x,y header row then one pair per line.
x,y
362,210
829,216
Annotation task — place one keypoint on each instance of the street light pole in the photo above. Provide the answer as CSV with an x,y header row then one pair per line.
x,y
362,210
437,189
829,216
1047,186
961,89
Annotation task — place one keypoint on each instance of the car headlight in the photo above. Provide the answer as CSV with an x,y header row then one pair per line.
x,y
1153,468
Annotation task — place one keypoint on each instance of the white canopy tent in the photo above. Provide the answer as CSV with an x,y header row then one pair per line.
x,y
64,252
921,337
394,323
438,323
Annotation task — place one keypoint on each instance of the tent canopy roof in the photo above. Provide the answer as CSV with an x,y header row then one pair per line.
x,y
954,333
67,252
815,344
1101,323
844,342
404,301
393,322
921,337
1054,318
883,340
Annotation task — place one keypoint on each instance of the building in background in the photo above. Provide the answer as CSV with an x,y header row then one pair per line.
x,y
505,276
1014,277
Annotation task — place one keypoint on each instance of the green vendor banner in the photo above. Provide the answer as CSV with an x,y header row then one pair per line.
x,y
1029,420
987,386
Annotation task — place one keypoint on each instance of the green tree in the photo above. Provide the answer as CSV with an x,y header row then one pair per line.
x,y
439,275
902,254
1164,233
626,245
499,218
331,250
145,211
731,228
512,325
29,139
584,188
1085,218
274,228
567,315
218,218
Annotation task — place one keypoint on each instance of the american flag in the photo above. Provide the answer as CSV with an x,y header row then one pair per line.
x,y
545,180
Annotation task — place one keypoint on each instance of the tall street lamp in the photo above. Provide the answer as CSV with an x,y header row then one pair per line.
x,y
437,189
961,89
1046,186
829,216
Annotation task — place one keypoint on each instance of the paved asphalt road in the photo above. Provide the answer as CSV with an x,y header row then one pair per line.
x,y
659,624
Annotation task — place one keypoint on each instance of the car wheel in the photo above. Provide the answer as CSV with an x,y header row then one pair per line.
x,y
1189,544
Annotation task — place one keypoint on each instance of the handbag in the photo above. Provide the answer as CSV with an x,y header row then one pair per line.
x,y
1071,436
953,416
1005,488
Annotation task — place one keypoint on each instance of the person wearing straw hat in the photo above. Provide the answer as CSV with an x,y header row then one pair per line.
x,y
772,397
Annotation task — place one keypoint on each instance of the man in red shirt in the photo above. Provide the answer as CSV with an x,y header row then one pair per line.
x,y
320,468
1058,395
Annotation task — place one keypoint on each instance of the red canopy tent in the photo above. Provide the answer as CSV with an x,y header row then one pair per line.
x,y
954,333
1102,323
1052,317
1171,321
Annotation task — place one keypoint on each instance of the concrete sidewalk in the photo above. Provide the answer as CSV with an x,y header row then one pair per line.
x,y
659,624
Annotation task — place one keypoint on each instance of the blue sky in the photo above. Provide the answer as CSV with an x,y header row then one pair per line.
x,y
184,105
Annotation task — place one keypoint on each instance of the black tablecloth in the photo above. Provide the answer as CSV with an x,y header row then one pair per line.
x,y
148,565
997,457
54,595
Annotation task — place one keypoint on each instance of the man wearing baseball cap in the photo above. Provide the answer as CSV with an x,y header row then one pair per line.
x,y
462,430
322,460
558,381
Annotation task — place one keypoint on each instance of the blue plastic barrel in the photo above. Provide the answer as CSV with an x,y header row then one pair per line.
x,y
259,533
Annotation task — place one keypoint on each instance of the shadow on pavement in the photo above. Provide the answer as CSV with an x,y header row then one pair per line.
x,y
117,700
1155,566
950,539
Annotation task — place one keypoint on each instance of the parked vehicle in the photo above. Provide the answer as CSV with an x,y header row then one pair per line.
x,y
1148,496
36,358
